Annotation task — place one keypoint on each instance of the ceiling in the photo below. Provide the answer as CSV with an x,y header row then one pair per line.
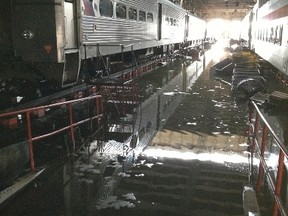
x,y
212,9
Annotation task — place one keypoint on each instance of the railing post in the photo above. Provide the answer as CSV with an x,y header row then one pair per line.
x,y
279,205
98,109
30,142
262,149
133,95
252,147
279,180
71,125
101,101
251,110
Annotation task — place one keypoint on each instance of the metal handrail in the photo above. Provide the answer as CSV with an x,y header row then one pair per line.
x,y
263,167
277,139
72,124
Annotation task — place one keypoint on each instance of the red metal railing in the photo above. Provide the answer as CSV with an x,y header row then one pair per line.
x,y
69,106
142,69
259,132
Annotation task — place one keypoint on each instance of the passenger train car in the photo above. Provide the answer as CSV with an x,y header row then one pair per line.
x,y
62,39
268,32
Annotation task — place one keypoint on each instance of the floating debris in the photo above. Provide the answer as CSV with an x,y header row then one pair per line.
x,y
113,202
243,144
123,175
94,171
139,175
78,174
87,181
169,93
129,196
191,123
149,165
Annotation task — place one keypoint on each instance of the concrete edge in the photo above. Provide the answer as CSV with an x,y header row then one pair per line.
x,y
250,203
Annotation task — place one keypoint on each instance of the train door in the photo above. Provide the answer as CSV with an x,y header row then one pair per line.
x,y
72,54
251,18
70,25
159,30
186,33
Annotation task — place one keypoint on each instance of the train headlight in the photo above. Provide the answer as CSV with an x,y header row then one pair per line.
x,y
27,34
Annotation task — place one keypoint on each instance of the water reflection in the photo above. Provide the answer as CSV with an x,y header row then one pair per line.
x,y
189,111
95,181
206,119
163,90
196,121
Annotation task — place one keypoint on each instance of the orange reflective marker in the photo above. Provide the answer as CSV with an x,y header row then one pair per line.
x,y
48,48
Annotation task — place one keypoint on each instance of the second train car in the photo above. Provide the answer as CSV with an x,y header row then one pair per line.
x,y
265,28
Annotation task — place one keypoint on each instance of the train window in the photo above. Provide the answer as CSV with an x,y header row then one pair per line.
x,y
142,16
106,8
175,22
149,17
171,21
121,11
167,20
276,32
280,34
262,34
271,34
132,14
266,34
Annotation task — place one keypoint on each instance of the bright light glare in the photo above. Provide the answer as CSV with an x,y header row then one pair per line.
x,y
216,157
218,50
223,29
216,28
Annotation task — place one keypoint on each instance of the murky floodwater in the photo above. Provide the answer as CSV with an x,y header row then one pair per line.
x,y
194,165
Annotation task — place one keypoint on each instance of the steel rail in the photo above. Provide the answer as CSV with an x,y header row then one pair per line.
x,y
48,106
71,125
275,186
277,139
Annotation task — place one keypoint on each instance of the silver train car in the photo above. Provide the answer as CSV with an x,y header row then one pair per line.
x,y
267,32
62,39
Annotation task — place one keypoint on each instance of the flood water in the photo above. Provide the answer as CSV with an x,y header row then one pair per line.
x,y
197,141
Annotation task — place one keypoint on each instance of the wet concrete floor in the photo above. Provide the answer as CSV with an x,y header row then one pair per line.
x,y
195,163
